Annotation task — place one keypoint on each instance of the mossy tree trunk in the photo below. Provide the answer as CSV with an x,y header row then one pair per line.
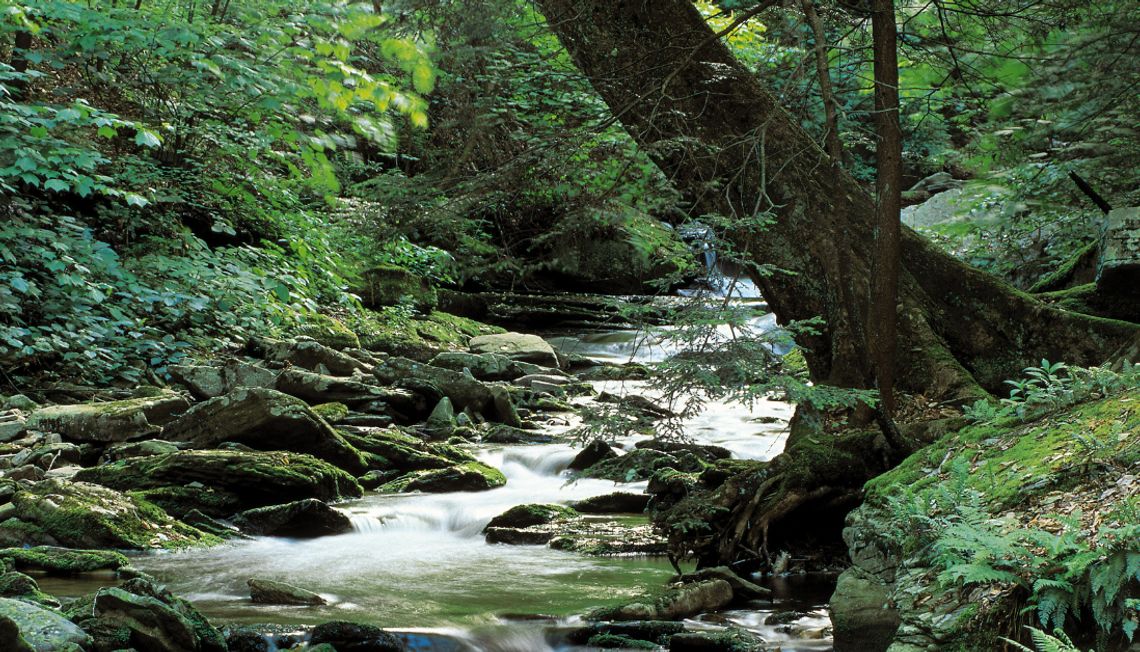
x,y
719,133
717,130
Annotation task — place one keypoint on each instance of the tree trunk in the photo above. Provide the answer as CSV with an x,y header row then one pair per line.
x,y
888,197
719,133
822,70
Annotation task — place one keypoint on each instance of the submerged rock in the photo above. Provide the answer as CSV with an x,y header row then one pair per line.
x,y
270,592
111,421
354,637
265,420
25,626
298,519
253,479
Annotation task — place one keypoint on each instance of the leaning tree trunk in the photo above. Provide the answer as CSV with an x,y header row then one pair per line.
x,y
719,133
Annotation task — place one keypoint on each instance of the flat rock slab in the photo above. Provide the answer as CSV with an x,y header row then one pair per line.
x,y
112,421
516,346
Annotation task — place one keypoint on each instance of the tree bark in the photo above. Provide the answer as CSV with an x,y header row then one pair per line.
x,y
23,43
822,70
888,195
720,134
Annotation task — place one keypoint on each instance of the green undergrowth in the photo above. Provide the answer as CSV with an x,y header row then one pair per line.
x,y
1044,507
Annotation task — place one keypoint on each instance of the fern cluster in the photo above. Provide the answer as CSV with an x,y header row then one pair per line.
x,y
1052,386
1066,574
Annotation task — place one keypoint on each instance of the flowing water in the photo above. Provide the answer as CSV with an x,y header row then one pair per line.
x,y
418,563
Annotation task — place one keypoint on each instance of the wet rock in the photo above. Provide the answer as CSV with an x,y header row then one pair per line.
x,y
28,472
521,516
488,366
17,585
395,450
354,637
742,589
464,391
269,592
18,402
593,452
517,537
138,449
83,515
653,631
637,404
248,639
111,421
861,614
13,425
730,640
253,479
504,407
602,538
144,616
306,354
542,381
266,420
25,626
516,346
501,433
62,561
471,476
441,421
705,452
375,479
619,502
298,519
675,604
641,464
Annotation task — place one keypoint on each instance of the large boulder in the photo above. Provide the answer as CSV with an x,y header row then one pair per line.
x,y
252,478
270,592
321,388
145,617
25,626
861,614
298,519
212,381
516,346
392,450
521,516
84,515
306,354
618,502
111,421
266,420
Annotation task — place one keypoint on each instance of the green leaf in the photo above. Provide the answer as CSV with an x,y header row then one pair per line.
x,y
58,185
147,138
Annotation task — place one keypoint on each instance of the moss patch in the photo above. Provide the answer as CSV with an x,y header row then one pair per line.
x,y
63,560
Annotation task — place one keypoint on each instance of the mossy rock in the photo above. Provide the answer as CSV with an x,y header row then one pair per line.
x,y
20,586
641,463
40,629
472,476
256,478
393,450
181,500
521,516
614,641
391,285
331,412
62,561
328,331
83,515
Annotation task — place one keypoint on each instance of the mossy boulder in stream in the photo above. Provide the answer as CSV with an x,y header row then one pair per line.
x,y
84,515
266,420
62,561
299,519
470,476
674,604
252,478
142,615
521,516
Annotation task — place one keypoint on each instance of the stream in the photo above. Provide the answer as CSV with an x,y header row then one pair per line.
x,y
417,563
